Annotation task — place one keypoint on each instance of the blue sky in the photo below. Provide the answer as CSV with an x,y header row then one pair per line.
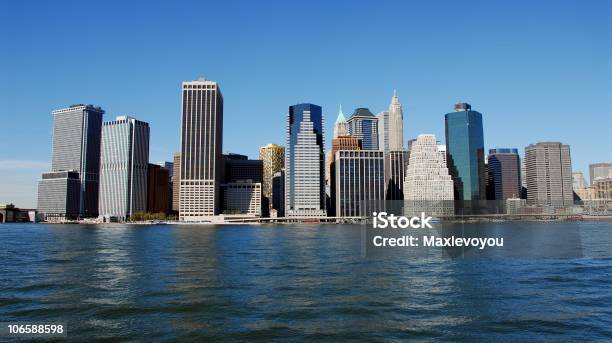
x,y
537,70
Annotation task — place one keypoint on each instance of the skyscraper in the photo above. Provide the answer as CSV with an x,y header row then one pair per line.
x,y
428,185
465,153
176,180
548,167
359,182
364,125
338,143
304,159
505,170
273,157
341,126
158,188
201,150
278,193
76,147
391,126
383,130
123,167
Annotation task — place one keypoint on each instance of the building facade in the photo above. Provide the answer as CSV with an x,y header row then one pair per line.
x,y
428,185
504,167
123,168
77,132
278,193
273,157
304,162
176,181
578,181
239,167
396,162
548,169
158,189
338,143
391,126
364,125
59,195
465,152
602,170
603,188
201,150
360,182
242,198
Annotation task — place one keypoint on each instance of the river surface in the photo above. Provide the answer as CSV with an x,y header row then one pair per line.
x,y
301,282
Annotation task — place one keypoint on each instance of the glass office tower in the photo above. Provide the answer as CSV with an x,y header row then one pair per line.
x,y
364,125
465,152
304,162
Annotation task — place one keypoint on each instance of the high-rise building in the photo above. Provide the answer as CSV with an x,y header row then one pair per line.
x,y
364,125
242,197
465,152
341,126
603,170
360,182
396,162
176,180
158,188
338,143
304,162
391,126
59,195
383,130
548,169
278,193
428,185
505,170
76,147
123,167
273,157
201,150
169,166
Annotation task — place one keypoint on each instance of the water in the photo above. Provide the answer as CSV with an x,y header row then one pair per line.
x,y
236,283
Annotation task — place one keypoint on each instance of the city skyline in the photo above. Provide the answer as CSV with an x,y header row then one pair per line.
x,y
565,99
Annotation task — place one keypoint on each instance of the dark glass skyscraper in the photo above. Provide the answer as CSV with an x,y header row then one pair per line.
x,y
505,170
465,152
364,125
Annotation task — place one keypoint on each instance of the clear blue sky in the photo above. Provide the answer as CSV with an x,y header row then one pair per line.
x,y
537,70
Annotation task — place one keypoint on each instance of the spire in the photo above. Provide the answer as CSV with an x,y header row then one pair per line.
x,y
395,99
340,118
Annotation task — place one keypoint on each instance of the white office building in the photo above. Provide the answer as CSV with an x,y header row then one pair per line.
x,y
201,149
306,197
123,168
428,186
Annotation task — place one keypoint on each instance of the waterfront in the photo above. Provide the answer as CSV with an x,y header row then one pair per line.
x,y
244,282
